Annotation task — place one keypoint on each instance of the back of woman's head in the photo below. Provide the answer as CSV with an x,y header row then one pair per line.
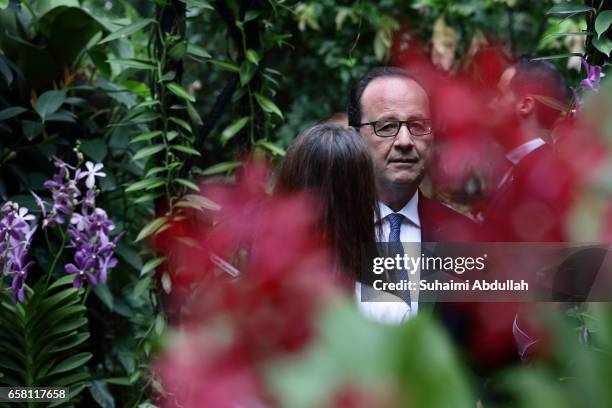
x,y
334,165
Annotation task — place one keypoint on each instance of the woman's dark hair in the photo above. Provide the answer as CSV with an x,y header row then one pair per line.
x,y
334,164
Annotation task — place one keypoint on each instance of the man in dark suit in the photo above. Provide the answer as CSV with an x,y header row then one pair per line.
x,y
533,197
390,109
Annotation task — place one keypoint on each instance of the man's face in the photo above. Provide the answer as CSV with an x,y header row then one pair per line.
x,y
402,160
504,104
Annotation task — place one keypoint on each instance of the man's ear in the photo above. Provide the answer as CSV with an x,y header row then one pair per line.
x,y
525,106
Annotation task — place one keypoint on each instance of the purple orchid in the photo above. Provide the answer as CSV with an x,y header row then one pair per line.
x,y
82,269
594,75
88,227
16,235
106,263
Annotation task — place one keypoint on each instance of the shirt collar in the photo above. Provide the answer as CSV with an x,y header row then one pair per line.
x,y
410,210
518,153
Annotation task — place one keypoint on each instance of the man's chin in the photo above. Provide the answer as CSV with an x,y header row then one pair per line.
x,y
404,179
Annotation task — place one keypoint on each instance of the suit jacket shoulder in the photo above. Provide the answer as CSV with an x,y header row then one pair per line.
x,y
440,223
533,206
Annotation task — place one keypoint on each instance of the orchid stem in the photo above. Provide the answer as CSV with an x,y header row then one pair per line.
x,y
60,250
87,290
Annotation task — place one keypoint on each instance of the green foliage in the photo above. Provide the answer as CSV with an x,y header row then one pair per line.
x,y
42,340
164,100
412,363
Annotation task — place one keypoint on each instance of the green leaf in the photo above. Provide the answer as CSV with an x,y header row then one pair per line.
x,y
186,149
146,136
194,115
180,91
558,56
70,380
247,70
187,183
141,287
154,170
96,149
151,228
143,184
148,151
200,202
569,9
133,63
119,381
251,15
65,328
604,45
226,65
271,147
181,123
104,294
64,280
4,4
127,30
75,341
267,105
100,393
568,33
197,51
602,24
62,116
177,52
252,56
171,135
168,76
198,3
233,129
31,129
11,112
146,198
49,102
151,264
220,168
71,363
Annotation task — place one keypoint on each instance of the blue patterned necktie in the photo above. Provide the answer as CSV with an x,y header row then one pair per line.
x,y
395,248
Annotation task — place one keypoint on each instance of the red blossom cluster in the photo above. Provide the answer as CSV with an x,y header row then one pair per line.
x,y
229,326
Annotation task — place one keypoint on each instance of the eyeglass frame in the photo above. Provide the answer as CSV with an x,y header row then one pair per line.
x,y
401,122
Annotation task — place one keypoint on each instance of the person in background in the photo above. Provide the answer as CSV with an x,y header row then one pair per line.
x,y
333,164
531,199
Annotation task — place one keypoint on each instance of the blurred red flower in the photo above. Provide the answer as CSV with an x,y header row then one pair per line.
x,y
268,310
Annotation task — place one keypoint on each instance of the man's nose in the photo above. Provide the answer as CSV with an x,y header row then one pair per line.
x,y
404,140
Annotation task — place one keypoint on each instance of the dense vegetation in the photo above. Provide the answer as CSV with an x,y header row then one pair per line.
x,y
164,92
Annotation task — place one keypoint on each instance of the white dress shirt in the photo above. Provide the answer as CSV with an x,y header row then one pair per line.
x,y
517,154
385,307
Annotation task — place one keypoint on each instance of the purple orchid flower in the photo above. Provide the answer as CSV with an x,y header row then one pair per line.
x,y
594,75
88,228
82,269
20,272
15,240
106,263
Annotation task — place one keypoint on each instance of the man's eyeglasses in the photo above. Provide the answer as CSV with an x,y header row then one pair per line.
x,y
390,128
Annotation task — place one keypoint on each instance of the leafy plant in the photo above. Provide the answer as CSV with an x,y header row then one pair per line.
x,y
42,341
